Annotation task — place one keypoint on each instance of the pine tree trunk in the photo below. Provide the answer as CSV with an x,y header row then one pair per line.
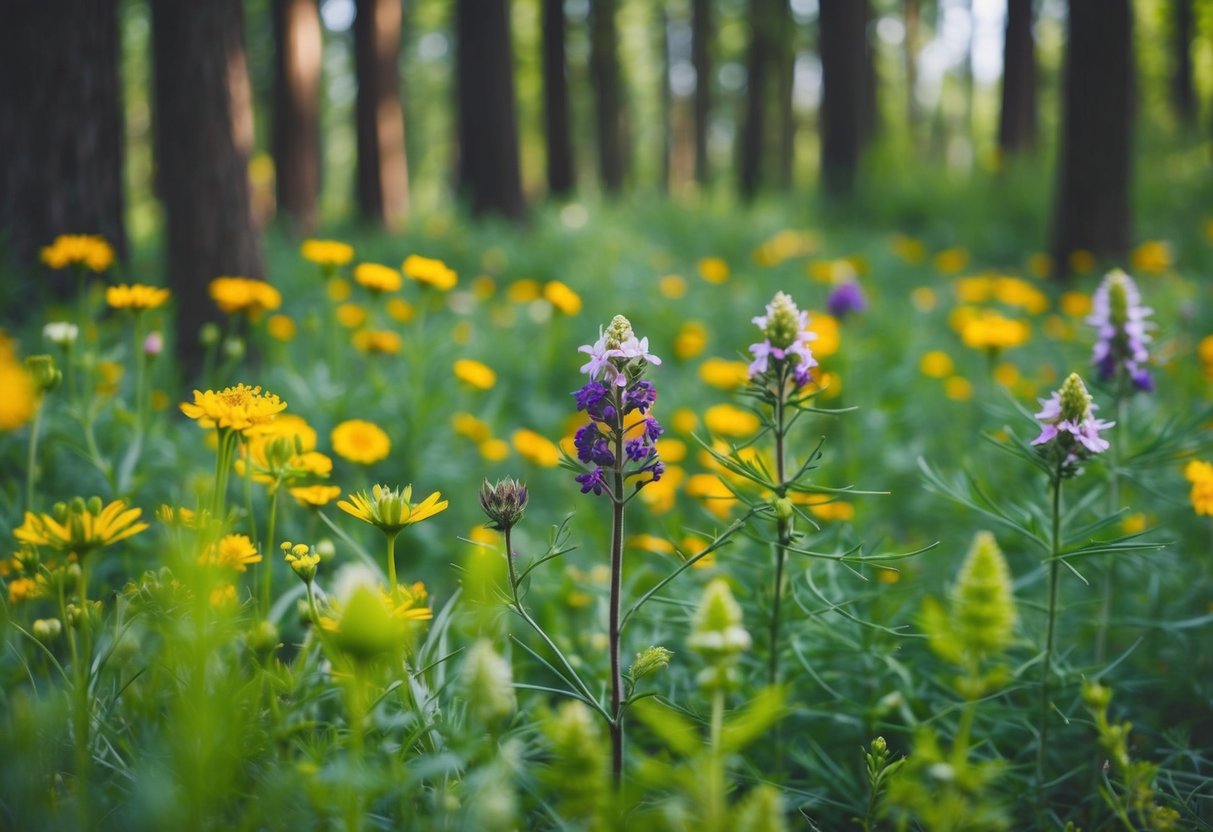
x,y
1092,210
785,83
1017,124
201,172
297,65
489,176
753,126
869,115
1181,80
608,105
561,176
701,60
844,69
61,124
383,177
661,27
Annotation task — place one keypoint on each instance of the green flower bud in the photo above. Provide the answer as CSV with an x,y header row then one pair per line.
x,y
983,602
263,639
488,683
365,628
209,334
503,502
783,323
45,374
650,661
47,629
580,769
618,331
1075,400
783,509
717,630
1095,696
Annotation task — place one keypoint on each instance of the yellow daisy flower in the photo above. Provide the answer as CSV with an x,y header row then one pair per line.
x,y
429,271
391,509
136,296
232,551
90,251
329,253
240,294
360,441
315,496
536,448
478,375
234,408
81,527
377,277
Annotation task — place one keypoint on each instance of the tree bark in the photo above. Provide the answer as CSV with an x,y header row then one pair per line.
x,y
608,105
785,80
1017,123
912,15
661,31
488,129
1092,210
1182,92
701,60
869,115
561,176
61,124
753,127
383,177
297,65
844,68
201,172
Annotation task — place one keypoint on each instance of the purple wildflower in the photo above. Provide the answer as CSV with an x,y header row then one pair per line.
x,y
633,348
785,339
592,446
599,365
1068,423
638,449
1122,331
589,395
652,428
847,297
592,481
639,396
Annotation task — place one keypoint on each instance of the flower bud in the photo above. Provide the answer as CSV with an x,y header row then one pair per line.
x,y
366,628
62,333
650,661
488,683
1075,400
209,334
263,639
47,629
1096,696
618,331
43,371
503,502
153,344
233,347
783,509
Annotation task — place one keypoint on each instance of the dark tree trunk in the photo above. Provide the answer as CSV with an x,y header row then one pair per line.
x,y
1092,211
785,79
869,115
201,171
608,104
297,111
1181,79
556,101
844,68
383,174
1017,123
61,126
661,25
701,60
763,43
488,128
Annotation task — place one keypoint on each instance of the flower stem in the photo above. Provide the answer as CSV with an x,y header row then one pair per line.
x,y
391,561
716,811
613,632
31,465
270,522
1109,574
784,533
1047,664
140,361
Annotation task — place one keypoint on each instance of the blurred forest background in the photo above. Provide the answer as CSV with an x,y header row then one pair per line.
x,y
186,130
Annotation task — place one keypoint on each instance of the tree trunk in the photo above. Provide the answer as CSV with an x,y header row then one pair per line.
x,y
1181,81
661,26
1017,124
869,115
383,175
201,172
604,75
753,127
1092,210
701,60
785,79
61,125
561,177
912,15
488,128
297,111
844,68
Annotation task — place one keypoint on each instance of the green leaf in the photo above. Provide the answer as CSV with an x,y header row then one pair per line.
x,y
752,721
672,728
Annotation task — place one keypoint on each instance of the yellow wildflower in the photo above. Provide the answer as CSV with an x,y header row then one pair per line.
x,y
536,448
1133,523
90,251
232,551
400,310
951,260
936,364
710,488
22,589
360,441
430,272
240,294
81,526
281,327
351,315
671,450
672,286
691,339
378,341
236,408
713,270
523,291
923,298
908,248
974,289
730,420
726,375
484,287
315,496
338,289
377,277
1006,374
828,334
1040,265
684,420
958,389
1082,261
18,393
136,296
785,245
833,510
562,297
329,253
1152,257
467,425
991,331
494,450
1076,304
1015,292
474,373
659,496
651,543
391,509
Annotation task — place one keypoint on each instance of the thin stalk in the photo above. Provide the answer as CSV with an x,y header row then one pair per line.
x,y
613,631
357,706
31,463
140,361
1109,572
391,561
1047,664
271,520
784,533
81,661
223,465
716,806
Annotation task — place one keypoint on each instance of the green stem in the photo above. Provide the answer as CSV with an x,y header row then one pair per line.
x,y
140,360
1047,664
784,533
81,673
357,707
391,560
267,577
1109,572
31,463
223,465
716,812
614,630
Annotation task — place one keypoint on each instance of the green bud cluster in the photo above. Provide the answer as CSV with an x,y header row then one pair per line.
x,y
783,325
45,374
504,502
1075,400
488,683
717,635
580,766
618,331
650,661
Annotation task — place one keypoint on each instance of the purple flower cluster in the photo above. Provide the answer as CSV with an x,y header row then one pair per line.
x,y
1122,331
1068,424
616,390
847,297
786,341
